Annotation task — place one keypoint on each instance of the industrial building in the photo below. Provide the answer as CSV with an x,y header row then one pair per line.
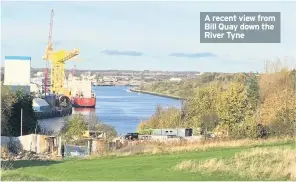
x,y
179,132
17,72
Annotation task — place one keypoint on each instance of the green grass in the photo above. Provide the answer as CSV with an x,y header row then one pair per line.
x,y
140,167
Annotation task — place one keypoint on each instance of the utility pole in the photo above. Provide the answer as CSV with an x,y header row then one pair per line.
x,y
21,121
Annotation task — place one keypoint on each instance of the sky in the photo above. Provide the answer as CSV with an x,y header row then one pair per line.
x,y
140,35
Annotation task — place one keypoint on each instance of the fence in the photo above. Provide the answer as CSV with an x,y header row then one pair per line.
x,y
32,142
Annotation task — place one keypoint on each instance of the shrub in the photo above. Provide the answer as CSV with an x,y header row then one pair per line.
x,y
283,125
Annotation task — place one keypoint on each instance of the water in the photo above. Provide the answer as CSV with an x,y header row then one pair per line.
x,y
124,110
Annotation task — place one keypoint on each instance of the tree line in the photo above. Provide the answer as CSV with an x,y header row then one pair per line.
x,y
240,105
12,102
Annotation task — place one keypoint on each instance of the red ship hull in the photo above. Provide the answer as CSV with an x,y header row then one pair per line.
x,y
84,102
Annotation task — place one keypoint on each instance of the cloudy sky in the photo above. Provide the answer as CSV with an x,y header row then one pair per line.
x,y
139,35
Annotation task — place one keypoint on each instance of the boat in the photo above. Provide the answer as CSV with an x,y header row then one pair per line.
x,y
80,101
81,94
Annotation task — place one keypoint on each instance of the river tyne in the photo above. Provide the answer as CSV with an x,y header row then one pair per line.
x,y
117,107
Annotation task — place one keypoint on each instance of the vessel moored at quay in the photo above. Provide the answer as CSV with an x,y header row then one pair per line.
x,y
82,94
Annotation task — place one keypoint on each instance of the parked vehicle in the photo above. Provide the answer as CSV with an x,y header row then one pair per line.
x,y
132,136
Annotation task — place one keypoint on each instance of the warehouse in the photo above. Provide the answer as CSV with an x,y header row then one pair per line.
x,y
17,70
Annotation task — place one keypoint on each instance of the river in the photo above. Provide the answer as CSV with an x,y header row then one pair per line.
x,y
118,107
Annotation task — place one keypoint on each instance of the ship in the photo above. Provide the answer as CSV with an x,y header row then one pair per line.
x,y
80,101
82,94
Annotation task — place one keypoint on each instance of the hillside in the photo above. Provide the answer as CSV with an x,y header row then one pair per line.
x,y
185,88
231,105
169,166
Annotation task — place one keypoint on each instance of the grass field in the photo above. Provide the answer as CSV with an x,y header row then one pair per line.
x,y
141,167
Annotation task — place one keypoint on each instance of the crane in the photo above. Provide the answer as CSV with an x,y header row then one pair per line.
x,y
48,49
57,60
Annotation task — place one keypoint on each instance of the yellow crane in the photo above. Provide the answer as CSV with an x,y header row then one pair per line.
x,y
57,61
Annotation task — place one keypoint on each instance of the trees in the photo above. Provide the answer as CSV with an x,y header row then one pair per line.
x,y
253,94
231,106
8,98
2,76
241,105
208,122
74,128
162,118
95,125
276,95
202,109
12,103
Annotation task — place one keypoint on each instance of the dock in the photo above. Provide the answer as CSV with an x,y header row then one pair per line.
x,y
156,94
54,113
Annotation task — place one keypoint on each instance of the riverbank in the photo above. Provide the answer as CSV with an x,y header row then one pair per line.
x,y
157,94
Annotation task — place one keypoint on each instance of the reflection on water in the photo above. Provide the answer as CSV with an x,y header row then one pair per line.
x,y
117,107
84,111
54,124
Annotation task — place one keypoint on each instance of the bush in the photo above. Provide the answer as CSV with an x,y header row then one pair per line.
x,y
95,124
74,128
282,128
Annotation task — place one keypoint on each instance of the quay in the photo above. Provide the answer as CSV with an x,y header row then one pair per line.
x,y
53,113
156,94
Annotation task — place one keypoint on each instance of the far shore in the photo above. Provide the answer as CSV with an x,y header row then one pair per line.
x,y
157,94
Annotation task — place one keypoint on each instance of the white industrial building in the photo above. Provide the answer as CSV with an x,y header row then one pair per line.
x,y
17,70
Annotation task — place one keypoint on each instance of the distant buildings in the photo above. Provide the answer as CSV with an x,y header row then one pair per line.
x,y
18,71
40,74
175,79
109,79
201,73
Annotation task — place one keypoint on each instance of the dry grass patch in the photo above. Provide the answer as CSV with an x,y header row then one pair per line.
x,y
180,146
259,163
167,147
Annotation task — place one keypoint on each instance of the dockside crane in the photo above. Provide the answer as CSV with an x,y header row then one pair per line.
x,y
48,49
57,61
